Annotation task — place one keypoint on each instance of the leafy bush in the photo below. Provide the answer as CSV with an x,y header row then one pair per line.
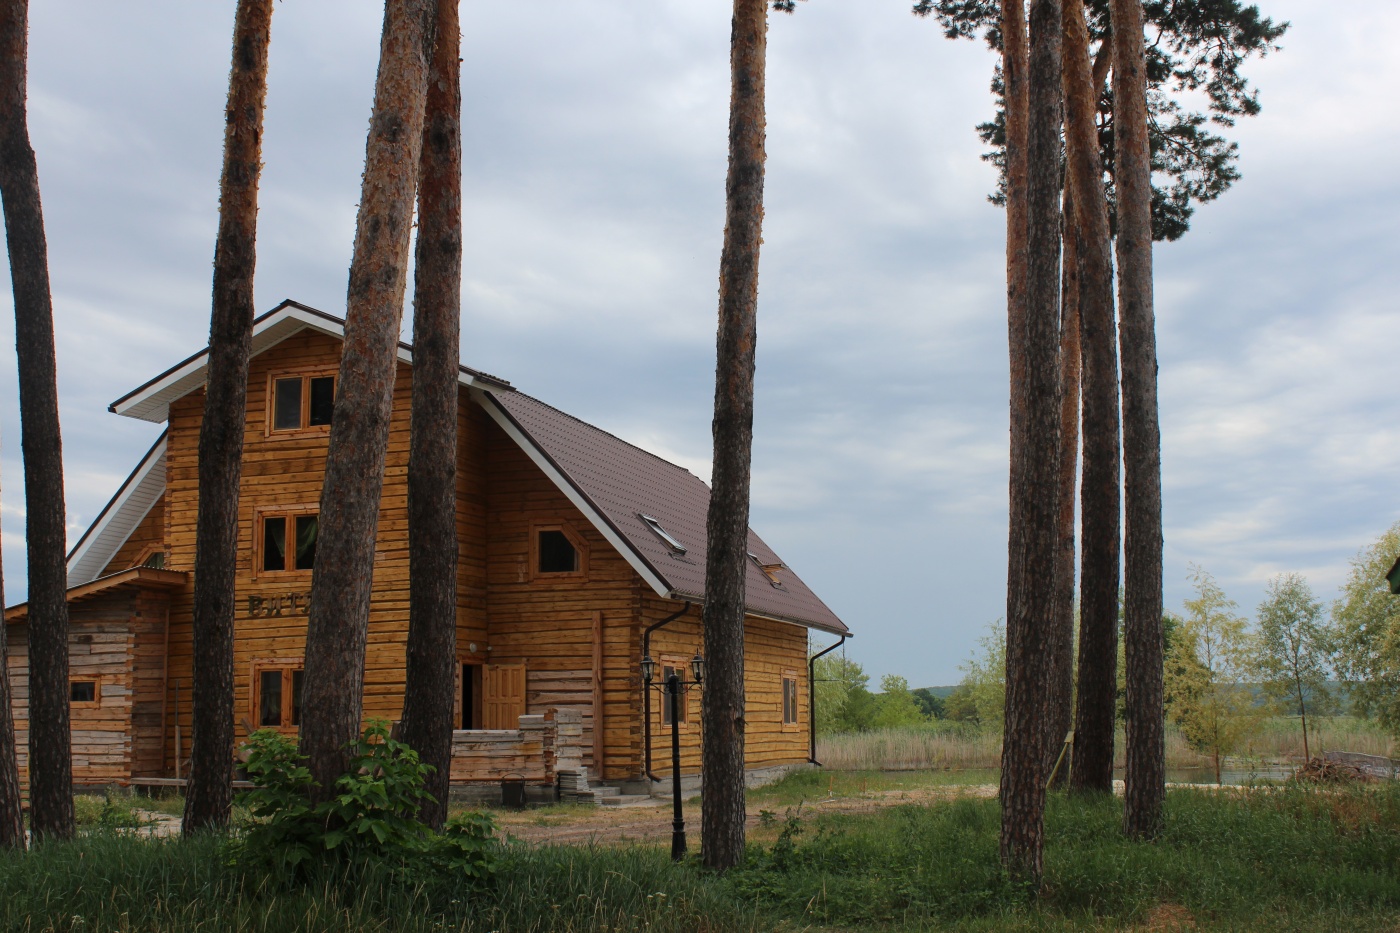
x,y
372,816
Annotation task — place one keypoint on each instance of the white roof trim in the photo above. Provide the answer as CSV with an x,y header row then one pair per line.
x,y
566,486
121,516
151,402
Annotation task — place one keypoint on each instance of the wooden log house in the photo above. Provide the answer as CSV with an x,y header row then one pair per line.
x,y
575,549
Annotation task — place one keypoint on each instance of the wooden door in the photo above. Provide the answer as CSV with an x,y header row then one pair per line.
x,y
502,696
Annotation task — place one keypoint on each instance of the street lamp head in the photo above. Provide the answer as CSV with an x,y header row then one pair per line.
x,y
697,666
648,669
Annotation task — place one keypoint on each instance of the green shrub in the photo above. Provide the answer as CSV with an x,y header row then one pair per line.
x,y
373,816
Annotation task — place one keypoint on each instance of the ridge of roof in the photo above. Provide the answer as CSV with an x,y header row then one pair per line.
x,y
335,325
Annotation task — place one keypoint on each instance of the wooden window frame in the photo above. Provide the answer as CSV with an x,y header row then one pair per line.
x,y
96,701
688,724
146,553
565,528
269,409
287,666
795,725
260,517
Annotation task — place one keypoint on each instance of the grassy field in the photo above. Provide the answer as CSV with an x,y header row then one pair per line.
x,y
942,745
1237,860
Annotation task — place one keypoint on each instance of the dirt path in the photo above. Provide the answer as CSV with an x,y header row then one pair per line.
x,y
621,825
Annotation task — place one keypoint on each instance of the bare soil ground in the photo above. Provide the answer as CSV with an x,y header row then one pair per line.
x,y
587,825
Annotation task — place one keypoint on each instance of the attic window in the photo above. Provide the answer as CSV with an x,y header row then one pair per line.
x,y
302,401
769,570
661,533
557,553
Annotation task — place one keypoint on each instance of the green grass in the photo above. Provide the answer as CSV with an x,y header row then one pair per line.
x,y
817,784
1285,859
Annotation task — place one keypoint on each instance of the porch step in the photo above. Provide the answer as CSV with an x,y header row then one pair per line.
x,y
603,792
627,800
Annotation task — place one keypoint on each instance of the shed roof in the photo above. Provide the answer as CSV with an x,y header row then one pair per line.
x,y
136,577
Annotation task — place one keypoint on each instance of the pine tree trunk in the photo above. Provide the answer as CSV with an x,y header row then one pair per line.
x,y
1033,538
1013,72
431,655
727,526
50,755
209,795
1142,445
1098,600
11,816
338,623
1060,681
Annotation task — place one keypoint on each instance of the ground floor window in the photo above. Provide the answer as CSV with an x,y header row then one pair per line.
x,y
277,695
675,666
84,692
789,698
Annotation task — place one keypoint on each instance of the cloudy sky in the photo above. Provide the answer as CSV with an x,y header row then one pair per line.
x,y
594,182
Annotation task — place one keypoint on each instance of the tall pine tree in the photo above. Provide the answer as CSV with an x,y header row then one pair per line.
x,y
209,795
727,525
431,653
1145,777
1099,487
50,738
338,622
1033,539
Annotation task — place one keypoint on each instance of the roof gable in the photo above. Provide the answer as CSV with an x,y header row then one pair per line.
x,y
119,517
151,401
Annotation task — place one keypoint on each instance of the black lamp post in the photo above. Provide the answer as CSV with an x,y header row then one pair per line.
x,y
673,688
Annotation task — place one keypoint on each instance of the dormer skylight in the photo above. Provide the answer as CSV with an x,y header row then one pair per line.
x,y
665,536
769,570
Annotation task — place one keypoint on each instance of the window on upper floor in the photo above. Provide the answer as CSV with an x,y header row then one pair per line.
x,y
557,551
288,542
300,402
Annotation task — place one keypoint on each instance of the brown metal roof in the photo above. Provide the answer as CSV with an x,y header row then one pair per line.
x,y
623,482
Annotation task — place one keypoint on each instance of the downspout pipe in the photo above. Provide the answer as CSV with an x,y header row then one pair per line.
x,y
646,688
812,700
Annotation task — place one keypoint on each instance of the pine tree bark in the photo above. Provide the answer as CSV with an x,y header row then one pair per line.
x,y
209,794
431,654
727,526
338,622
1142,445
1099,507
11,815
1060,681
1014,62
50,755
1035,500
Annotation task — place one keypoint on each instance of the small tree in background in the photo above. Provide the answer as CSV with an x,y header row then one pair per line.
x,y
1210,658
1366,631
836,679
895,705
981,694
930,704
1293,650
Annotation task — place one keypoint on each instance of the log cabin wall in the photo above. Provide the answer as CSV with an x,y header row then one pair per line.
x,y
110,665
283,474
773,651
472,425
547,621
